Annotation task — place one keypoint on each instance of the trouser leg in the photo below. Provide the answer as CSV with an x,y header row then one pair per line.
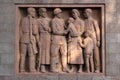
x,y
97,59
43,68
63,51
54,57
23,48
31,58
91,63
87,63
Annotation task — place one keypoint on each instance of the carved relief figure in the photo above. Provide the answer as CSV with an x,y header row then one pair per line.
x,y
44,39
49,44
76,55
59,45
28,38
89,46
92,25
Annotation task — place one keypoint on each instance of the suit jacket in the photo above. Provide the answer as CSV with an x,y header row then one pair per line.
x,y
26,35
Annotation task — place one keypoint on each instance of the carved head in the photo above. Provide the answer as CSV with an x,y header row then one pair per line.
x,y
43,12
70,20
31,11
88,33
57,12
88,13
75,13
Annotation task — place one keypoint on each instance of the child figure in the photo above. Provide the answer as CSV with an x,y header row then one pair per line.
x,y
75,55
89,46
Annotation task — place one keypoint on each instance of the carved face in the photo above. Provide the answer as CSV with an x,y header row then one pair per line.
x,y
87,14
86,34
43,14
59,15
32,12
74,14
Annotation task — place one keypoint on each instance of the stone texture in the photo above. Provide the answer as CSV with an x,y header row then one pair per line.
x,y
67,1
115,78
2,78
89,1
7,70
31,77
111,37
6,48
6,1
101,78
7,59
67,77
113,48
7,22
7,13
37,1
84,77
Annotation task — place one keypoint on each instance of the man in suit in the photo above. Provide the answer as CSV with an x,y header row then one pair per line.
x,y
91,25
28,38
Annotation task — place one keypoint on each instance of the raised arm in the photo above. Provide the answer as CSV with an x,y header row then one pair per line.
x,y
54,29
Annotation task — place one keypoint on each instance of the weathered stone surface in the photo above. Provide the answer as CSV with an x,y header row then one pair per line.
x,y
112,69
6,1
111,37
7,48
67,77
113,48
6,70
7,22
115,78
84,77
2,78
67,1
38,1
89,1
101,78
7,59
32,77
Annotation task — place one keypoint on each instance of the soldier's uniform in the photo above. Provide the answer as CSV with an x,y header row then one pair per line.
x,y
59,45
27,42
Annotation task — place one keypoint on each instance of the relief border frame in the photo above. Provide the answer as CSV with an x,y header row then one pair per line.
x,y
61,5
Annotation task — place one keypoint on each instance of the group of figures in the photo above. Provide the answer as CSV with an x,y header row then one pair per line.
x,y
55,45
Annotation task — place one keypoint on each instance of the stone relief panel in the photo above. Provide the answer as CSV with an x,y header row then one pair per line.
x,y
60,39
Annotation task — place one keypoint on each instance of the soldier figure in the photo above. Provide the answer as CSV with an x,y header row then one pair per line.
x,y
28,36
59,45
91,25
44,39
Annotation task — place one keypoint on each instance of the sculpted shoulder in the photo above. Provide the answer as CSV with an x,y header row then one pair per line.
x,y
24,18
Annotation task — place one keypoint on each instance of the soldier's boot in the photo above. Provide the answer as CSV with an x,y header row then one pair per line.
x,y
54,68
43,69
64,63
22,64
32,64
80,69
97,70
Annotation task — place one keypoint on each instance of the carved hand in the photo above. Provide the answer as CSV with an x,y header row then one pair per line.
x,y
98,43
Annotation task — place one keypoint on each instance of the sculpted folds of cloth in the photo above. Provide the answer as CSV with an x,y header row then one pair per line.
x,y
53,42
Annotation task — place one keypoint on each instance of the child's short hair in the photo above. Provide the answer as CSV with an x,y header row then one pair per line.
x,y
70,19
88,32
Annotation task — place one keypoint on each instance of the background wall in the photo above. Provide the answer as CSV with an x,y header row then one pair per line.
x,y
7,41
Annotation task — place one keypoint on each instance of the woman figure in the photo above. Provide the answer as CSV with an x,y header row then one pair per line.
x,y
45,37
75,55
